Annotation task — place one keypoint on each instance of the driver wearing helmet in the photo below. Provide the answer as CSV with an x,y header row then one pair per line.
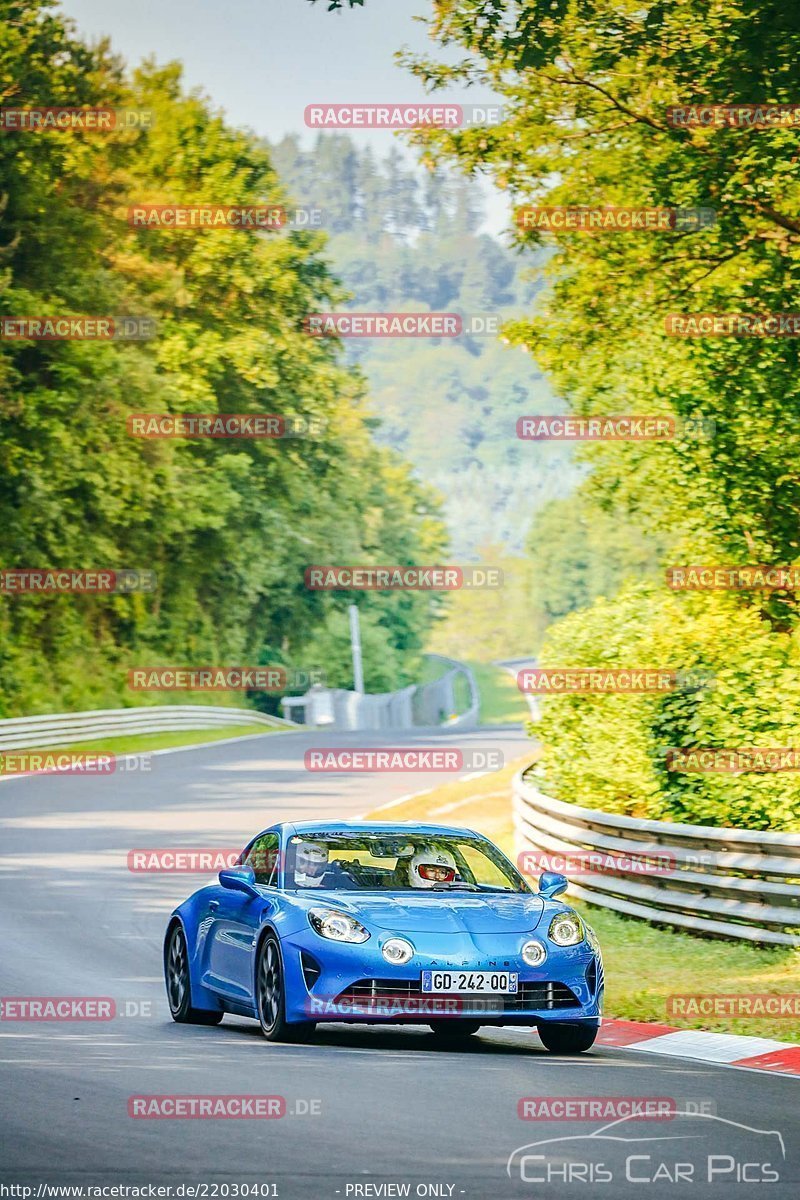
x,y
313,868
311,863
430,866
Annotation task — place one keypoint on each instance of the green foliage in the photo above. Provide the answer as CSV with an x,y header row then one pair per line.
x,y
228,527
581,550
610,751
585,88
491,622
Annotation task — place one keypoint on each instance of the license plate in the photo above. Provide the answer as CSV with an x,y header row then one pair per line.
x,y
469,982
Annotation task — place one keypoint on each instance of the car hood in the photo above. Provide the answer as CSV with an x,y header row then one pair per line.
x,y
439,913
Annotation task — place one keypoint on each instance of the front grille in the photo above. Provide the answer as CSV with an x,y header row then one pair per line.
x,y
545,995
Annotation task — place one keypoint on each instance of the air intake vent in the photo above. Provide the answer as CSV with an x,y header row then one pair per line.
x,y
311,969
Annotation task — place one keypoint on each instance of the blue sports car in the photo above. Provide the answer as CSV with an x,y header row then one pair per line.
x,y
389,923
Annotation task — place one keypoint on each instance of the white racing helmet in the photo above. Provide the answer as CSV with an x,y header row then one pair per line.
x,y
431,866
311,862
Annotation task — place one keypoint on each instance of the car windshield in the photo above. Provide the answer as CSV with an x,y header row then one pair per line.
x,y
399,862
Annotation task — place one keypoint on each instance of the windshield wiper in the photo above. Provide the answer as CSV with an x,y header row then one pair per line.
x,y
446,887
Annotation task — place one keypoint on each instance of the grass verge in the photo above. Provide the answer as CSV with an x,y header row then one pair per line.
x,y
644,965
141,742
502,703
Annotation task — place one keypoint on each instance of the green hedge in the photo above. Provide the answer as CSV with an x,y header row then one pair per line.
x,y
609,751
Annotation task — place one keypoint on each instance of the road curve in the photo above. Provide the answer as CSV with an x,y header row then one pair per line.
x,y
369,1112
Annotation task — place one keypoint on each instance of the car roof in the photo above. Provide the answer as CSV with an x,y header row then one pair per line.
x,y
371,827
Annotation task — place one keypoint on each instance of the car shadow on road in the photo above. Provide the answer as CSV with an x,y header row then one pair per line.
x,y
406,1038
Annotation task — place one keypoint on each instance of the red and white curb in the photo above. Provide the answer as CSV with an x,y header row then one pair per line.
x,y
728,1049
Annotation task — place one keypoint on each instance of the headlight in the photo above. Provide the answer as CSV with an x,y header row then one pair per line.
x,y
566,929
397,950
533,953
336,926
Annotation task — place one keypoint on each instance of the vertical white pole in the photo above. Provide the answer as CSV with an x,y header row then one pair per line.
x,y
355,642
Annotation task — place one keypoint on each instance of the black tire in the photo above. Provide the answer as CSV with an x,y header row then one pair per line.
x,y
271,997
454,1030
179,984
561,1037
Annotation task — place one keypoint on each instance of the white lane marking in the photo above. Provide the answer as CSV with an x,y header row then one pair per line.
x,y
392,803
454,804
426,792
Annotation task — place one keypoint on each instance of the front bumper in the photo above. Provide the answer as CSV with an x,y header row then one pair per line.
x,y
332,981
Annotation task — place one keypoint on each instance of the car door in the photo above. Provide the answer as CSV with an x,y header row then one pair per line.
x,y
237,918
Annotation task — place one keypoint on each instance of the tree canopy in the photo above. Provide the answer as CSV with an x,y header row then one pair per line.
x,y
590,92
227,526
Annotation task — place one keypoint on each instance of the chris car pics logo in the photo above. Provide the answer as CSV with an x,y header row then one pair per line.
x,y
698,1148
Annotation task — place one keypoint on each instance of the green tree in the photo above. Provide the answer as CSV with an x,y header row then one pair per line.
x,y
587,88
581,550
228,527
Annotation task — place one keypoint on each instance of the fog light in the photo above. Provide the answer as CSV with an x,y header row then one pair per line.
x,y
534,954
397,950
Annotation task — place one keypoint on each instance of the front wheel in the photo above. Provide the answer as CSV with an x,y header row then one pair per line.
x,y
560,1037
271,997
454,1030
179,984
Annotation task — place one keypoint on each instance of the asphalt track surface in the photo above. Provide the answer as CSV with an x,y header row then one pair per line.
x,y
370,1111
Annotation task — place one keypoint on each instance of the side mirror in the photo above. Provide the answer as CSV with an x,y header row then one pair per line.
x,y
552,884
239,879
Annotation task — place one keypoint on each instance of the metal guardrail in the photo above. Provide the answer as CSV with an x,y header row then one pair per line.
x,y
64,729
729,883
428,704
